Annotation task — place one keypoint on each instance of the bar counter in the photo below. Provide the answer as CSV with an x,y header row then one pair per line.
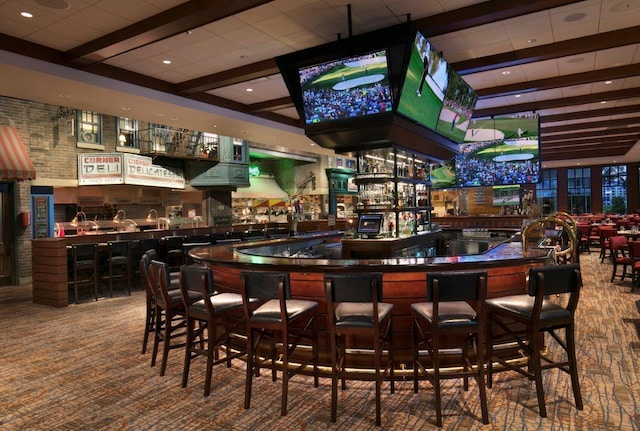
x,y
404,278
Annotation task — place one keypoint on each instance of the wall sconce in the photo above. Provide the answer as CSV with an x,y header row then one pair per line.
x,y
150,217
117,218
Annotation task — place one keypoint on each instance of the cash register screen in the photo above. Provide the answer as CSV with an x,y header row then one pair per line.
x,y
369,224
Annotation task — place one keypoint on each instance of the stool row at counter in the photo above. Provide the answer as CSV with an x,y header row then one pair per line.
x,y
272,329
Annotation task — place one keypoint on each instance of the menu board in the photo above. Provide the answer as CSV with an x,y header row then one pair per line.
x,y
41,210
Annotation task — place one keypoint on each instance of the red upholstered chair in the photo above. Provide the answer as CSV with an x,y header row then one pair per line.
x,y
619,255
606,232
634,254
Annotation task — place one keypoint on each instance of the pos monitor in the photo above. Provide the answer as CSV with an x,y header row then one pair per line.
x,y
369,225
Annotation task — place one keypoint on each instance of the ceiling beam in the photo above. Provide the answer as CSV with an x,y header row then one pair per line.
x,y
569,137
614,151
260,69
601,75
483,13
179,19
603,112
271,105
565,48
600,141
627,93
589,125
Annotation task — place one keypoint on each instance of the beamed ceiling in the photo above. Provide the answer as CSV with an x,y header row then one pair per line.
x,y
575,63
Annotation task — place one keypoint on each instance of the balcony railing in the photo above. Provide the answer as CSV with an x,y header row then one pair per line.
x,y
176,142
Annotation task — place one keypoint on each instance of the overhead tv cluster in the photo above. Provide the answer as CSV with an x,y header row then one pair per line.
x,y
358,93
393,88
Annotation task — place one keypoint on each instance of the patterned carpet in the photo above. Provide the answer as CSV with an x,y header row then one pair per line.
x,y
80,368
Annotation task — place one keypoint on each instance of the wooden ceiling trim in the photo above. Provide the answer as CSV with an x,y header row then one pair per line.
x,y
260,69
560,81
627,93
604,142
595,153
483,13
582,45
179,19
271,105
604,112
592,133
589,125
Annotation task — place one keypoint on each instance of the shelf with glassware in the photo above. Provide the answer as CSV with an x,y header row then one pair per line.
x,y
395,183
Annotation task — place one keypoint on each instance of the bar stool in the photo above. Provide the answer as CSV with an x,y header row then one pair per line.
x,y
454,311
217,315
525,318
284,322
142,246
355,308
150,315
174,251
170,314
118,258
84,267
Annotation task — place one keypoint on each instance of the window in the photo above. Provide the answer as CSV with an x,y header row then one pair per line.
x,y
614,189
547,191
128,133
89,130
579,190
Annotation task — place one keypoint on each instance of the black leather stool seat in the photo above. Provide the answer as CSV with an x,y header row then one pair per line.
x,y
455,314
360,314
549,306
269,312
221,303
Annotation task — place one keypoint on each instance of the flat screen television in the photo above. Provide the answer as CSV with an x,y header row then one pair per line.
x,y
506,195
424,83
369,225
443,176
500,151
346,88
457,108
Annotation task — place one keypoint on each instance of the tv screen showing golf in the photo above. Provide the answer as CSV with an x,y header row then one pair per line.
x,y
500,151
457,108
349,87
443,176
424,84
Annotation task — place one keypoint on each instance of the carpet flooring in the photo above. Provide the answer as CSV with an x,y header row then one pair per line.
x,y
80,368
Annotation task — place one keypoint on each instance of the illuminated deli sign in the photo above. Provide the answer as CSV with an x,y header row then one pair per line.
x,y
101,169
140,170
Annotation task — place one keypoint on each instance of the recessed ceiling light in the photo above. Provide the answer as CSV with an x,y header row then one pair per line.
x,y
166,61
603,102
575,17
64,95
26,14
506,72
126,108
249,90
160,114
625,6
174,118
532,40
608,82
575,60
244,57
578,163
313,144
518,95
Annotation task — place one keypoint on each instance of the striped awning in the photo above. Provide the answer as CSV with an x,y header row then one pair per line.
x,y
15,163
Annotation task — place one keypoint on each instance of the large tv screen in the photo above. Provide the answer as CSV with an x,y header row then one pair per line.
x,y
426,79
443,176
457,108
500,151
506,195
348,87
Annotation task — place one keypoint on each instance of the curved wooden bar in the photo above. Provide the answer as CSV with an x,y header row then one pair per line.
x,y
404,279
